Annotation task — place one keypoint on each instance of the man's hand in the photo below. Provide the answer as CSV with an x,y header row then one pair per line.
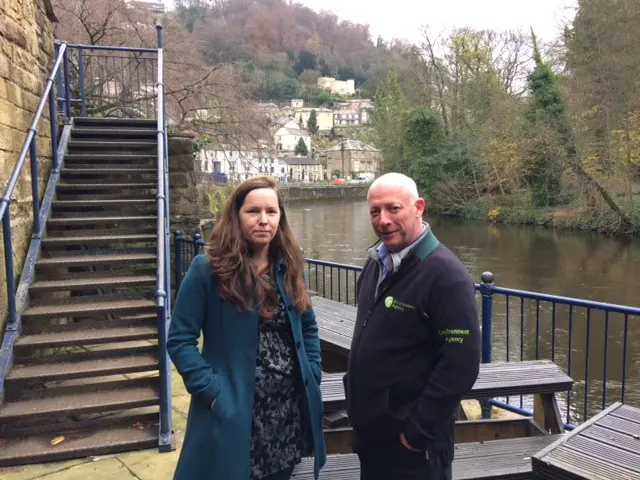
x,y
406,444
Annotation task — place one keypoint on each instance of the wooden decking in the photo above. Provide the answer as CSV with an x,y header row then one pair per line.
x,y
494,380
498,459
605,447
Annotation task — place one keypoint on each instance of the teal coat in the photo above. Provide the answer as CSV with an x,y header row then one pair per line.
x,y
217,441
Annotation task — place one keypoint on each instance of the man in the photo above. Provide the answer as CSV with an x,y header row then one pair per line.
x,y
416,345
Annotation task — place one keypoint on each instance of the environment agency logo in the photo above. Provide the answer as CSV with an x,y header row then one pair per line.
x,y
396,304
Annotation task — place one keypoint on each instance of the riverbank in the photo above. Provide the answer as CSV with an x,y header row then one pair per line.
x,y
296,193
598,219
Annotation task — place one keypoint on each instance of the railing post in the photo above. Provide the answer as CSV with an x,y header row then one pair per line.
x,y
58,93
67,86
8,260
53,123
486,290
197,242
83,102
177,245
34,185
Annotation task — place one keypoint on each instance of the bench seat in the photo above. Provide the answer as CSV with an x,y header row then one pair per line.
x,y
497,459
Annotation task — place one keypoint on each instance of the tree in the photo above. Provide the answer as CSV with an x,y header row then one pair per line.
x,y
312,124
388,120
301,148
300,121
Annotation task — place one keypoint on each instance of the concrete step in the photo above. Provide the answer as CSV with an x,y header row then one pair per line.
x,y
73,284
94,441
94,260
86,220
119,398
100,238
82,368
75,307
87,336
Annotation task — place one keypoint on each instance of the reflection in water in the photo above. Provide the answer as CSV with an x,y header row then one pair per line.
x,y
572,264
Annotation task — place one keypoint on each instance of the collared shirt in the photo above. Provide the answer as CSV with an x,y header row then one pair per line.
x,y
390,262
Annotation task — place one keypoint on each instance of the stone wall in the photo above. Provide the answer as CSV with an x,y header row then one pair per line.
x,y
296,193
26,55
188,202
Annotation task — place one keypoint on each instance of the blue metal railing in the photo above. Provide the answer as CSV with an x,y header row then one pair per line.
x,y
548,328
98,81
103,81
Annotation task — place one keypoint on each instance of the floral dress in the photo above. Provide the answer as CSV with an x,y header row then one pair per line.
x,y
279,435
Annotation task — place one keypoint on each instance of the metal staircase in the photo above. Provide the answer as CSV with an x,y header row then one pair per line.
x,y
84,352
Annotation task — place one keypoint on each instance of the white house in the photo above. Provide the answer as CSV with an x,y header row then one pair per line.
x,y
240,164
287,138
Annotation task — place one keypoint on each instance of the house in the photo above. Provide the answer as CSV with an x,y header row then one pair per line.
x,y
359,158
286,138
304,169
240,163
324,117
337,87
346,118
353,112
297,103
149,5
270,110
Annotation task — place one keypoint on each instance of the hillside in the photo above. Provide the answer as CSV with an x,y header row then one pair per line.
x,y
284,47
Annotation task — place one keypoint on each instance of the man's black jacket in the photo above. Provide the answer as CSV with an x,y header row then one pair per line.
x,y
416,348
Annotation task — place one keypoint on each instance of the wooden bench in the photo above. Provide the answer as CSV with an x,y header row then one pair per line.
x,y
605,446
498,459
541,378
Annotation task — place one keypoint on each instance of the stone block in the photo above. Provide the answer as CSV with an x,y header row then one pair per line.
x,y
12,31
3,89
180,146
10,140
180,180
5,66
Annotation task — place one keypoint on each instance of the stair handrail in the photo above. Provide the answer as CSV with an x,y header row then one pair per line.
x,y
29,146
162,275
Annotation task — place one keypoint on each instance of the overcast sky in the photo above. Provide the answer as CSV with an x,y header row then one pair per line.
x,y
404,18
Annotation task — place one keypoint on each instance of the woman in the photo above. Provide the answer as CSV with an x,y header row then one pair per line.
x,y
256,407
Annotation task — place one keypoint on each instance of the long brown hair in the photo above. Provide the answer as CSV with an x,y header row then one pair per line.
x,y
230,255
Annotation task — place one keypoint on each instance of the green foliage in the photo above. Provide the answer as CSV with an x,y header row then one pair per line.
x,y
218,197
301,148
388,120
312,124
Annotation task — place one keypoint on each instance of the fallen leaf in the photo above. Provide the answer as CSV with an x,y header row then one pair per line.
x,y
138,425
2,442
57,440
637,437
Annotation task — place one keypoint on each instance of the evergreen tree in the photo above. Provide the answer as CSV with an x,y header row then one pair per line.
x,y
388,120
301,148
312,124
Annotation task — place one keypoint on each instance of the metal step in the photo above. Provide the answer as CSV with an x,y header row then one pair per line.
x,y
100,220
86,324
79,403
113,170
92,260
109,158
72,309
119,122
93,282
81,443
92,205
91,368
92,336
106,186
98,239
108,145
116,131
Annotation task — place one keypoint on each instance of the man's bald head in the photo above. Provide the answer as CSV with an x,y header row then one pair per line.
x,y
395,180
396,210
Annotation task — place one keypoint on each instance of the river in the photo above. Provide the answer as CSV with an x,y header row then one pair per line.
x,y
568,263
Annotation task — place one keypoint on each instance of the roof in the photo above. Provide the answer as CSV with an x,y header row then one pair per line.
x,y
295,131
299,161
353,145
